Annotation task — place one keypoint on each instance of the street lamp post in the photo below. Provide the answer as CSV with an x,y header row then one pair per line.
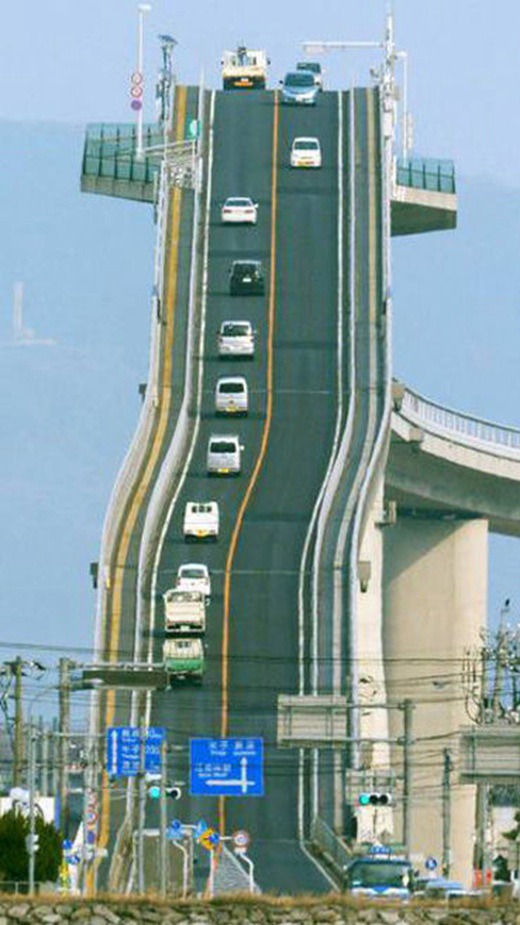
x,y
142,9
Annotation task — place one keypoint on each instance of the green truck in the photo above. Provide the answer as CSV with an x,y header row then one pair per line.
x,y
184,659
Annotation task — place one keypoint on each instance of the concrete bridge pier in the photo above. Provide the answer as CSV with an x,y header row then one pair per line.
x,y
434,607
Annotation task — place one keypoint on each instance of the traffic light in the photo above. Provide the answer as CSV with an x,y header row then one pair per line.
x,y
154,788
375,798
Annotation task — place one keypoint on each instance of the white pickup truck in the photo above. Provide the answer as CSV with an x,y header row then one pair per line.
x,y
184,611
244,68
201,520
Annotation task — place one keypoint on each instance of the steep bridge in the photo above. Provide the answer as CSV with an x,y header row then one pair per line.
x,y
352,555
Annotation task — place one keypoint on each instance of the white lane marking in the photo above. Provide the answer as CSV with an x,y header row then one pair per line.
x,y
332,458
200,370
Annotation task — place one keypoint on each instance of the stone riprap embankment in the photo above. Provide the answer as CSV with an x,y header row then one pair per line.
x,y
67,911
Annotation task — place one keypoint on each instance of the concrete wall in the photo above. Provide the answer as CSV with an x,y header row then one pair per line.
x,y
434,605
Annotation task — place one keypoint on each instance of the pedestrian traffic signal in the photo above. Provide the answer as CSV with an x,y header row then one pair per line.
x,y
375,799
34,841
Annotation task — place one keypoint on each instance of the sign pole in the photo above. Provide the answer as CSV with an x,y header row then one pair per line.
x,y
162,833
211,880
141,812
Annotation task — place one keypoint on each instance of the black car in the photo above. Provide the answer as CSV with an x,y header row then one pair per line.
x,y
246,277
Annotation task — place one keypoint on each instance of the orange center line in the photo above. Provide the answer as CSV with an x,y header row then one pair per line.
x,y
261,456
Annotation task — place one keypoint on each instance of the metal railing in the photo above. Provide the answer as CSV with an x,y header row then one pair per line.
x,y
330,844
427,174
456,424
109,153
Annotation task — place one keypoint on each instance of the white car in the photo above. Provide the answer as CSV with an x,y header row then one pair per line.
x,y
193,576
236,339
231,395
306,152
224,455
201,520
239,210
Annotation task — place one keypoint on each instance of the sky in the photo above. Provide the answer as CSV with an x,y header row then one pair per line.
x,y
69,408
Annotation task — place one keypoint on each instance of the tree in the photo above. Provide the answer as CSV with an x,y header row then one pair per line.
x,y
14,857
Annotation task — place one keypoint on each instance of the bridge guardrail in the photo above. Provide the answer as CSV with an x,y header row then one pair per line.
x,y
447,422
330,844
426,173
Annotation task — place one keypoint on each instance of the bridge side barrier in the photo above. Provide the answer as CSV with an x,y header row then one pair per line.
x,y
137,451
331,846
467,428
425,173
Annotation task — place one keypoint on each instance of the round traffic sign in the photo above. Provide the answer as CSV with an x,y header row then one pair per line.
x,y
137,77
241,839
136,104
431,863
136,92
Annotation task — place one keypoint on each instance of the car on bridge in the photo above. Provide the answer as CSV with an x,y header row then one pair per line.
x,y
194,576
184,611
306,152
184,659
315,68
236,339
300,87
201,521
231,395
224,455
239,210
246,277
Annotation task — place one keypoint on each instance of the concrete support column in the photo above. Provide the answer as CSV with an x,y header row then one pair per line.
x,y
434,605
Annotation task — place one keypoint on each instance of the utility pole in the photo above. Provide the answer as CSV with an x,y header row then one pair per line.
x,y
446,813
407,708
18,721
163,823
63,746
32,815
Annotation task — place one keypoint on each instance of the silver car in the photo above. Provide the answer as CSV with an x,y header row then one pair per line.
x,y
236,339
224,454
231,395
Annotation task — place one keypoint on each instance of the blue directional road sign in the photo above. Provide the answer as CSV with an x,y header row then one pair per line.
x,y
227,767
124,749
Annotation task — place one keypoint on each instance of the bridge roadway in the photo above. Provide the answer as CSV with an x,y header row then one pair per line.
x,y
252,636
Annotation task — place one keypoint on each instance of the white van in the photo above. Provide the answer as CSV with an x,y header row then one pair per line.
x,y
224,454
201,520
231,395
236,339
